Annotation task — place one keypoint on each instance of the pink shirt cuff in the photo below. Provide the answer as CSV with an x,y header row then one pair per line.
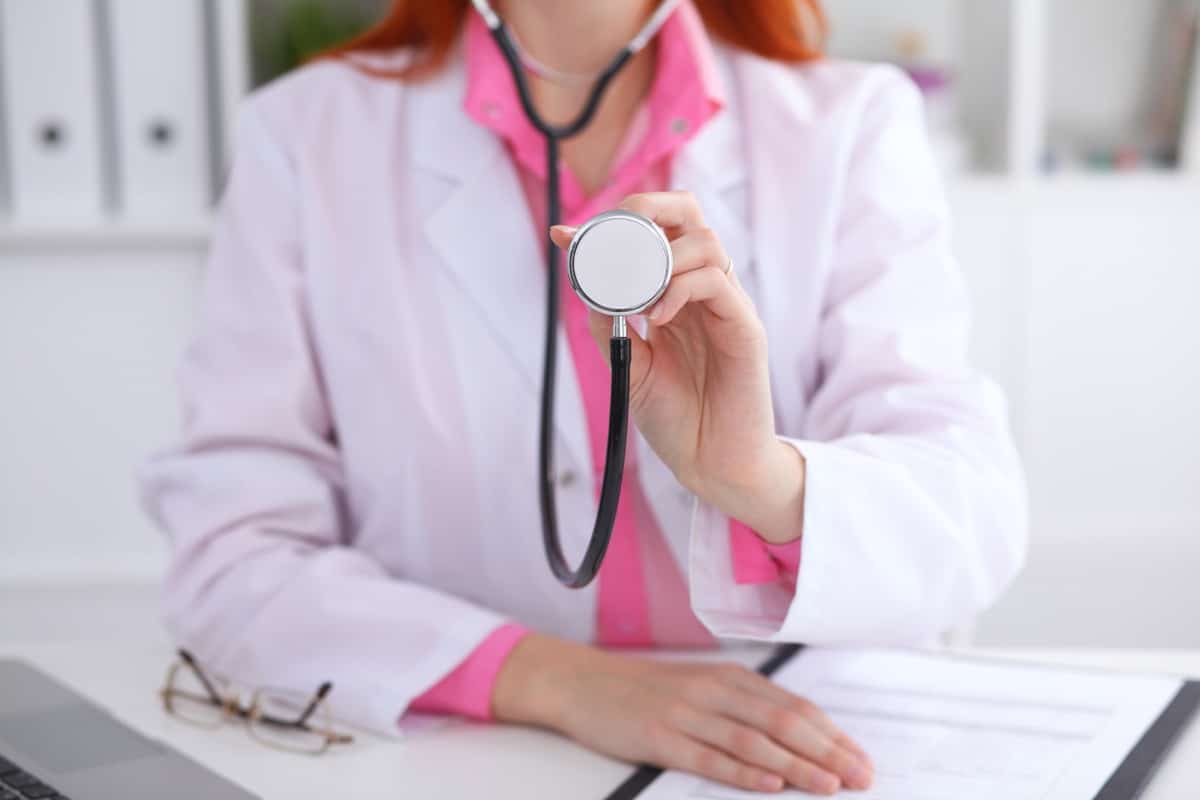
x,y
756,561
467,690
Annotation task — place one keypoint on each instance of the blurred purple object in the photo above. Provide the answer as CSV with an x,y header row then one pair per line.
x,y
929,80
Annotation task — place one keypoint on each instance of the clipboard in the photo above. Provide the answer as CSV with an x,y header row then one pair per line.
x,y
1126,782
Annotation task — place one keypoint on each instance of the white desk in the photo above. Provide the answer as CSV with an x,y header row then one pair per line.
x,y
103,642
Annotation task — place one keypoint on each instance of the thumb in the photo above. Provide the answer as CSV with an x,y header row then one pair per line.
x,y
561,235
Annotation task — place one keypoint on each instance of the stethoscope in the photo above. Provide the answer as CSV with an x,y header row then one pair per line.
x,y
619,263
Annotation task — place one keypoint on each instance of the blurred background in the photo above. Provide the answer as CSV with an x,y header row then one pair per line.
x,y
1068,132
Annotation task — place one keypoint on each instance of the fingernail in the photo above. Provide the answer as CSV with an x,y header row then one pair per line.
x,y
828,784
569,230
852,746
770,783
858,777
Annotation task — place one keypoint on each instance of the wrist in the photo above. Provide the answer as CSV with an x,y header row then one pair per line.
x,y
533,686
769,497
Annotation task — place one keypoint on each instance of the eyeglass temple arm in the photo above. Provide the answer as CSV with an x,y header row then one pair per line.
x,y
187,659
302,721
322,691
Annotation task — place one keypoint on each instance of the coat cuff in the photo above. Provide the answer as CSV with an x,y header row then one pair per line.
x,y
757,561
467,691
730,590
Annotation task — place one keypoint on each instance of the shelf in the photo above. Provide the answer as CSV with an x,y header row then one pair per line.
x,y
192,233
1136,180
1168,179
1033,79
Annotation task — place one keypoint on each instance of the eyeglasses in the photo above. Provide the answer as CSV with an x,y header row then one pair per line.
x,y
281,719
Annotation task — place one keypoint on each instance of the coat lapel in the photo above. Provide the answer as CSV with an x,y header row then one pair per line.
x,y
712,166
483,235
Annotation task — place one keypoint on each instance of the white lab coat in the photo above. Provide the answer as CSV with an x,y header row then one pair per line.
x,y
354,497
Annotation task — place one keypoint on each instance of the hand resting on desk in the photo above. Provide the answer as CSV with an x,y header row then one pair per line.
x,y
721,721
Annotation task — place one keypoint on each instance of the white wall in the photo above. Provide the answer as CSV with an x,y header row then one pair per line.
x,y
1086,293
869,29
88,341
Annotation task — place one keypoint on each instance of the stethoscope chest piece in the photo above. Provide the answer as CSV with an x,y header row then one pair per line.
x,y
619,263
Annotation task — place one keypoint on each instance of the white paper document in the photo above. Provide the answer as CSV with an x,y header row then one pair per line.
x,y
942,727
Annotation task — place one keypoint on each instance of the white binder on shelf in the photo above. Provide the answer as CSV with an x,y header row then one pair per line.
x,y
161,97
1189,145
51,86
233,73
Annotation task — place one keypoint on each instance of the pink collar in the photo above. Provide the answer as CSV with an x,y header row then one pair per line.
x,y
686,93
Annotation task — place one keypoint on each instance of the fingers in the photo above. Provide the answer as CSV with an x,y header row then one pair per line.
x,y
699,275
679,751
699,260
697,249
561,235
751,746
707,285
757,684
678,211
796,731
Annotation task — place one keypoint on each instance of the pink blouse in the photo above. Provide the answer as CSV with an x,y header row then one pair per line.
x,y
684,96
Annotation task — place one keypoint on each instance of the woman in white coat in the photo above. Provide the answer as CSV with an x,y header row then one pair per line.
x,y
354,498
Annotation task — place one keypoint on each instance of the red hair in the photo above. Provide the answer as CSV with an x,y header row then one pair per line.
x,y
781,30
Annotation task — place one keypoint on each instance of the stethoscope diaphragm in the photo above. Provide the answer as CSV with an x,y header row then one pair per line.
x,y
619,263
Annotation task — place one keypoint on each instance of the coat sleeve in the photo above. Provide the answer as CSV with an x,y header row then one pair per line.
x,y
263,583
914,509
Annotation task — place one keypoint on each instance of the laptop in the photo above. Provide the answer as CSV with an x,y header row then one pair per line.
x,y
55,745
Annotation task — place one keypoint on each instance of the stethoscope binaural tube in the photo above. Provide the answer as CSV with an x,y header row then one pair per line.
x,y
619,348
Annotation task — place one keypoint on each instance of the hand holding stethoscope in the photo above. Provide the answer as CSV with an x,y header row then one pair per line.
x,y
699,385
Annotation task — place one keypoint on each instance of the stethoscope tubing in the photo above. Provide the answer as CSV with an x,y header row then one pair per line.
x,y
619,349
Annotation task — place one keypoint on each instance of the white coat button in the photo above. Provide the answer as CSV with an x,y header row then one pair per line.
x,y
567,478
679,125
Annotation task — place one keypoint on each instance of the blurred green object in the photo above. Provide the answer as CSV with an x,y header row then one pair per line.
x,y
288,33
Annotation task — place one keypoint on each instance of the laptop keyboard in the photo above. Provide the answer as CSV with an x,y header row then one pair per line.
x,y
17,784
